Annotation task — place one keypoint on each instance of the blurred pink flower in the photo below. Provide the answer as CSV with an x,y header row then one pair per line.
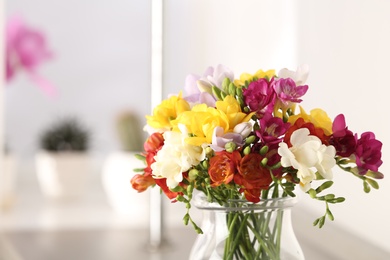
x,y
26,49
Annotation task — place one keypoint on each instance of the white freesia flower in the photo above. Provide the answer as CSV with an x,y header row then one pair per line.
x,y
307,154
244,129
300,76
176,157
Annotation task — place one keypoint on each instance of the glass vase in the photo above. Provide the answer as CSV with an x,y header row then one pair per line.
x,y
244,230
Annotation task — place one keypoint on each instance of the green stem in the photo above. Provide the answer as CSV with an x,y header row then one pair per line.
x,y
237,235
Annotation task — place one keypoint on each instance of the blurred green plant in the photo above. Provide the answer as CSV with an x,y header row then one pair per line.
x,y
66,134
129,131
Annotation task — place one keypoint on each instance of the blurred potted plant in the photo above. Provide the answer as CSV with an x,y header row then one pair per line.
x,y
119,165
62,164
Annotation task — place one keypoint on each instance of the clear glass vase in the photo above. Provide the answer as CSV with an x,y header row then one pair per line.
x,y
244,230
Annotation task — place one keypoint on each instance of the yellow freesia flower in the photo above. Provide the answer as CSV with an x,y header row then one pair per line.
x,y
317,117
248,77
200,123
167,111
232,109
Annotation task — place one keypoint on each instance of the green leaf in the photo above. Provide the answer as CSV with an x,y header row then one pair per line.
x,y
366,187
375,175
140,157
139,169
312,193
373,183
324,186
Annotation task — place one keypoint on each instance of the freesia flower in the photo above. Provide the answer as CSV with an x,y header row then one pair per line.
x,y
220,139
288,92
201,122
223,166
253,177
232,110
307,153
342,139
259,96
368,153
166,112
198,89
260,74
141,182
271,128
314,130
176,157
318,117
299,76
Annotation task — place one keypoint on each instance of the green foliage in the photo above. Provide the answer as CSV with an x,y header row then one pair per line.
x,y
328,199
65,135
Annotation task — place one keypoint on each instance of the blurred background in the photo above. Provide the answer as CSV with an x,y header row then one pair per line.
x,y
96,69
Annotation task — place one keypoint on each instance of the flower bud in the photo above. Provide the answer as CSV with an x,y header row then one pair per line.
x,y
247,150
225,84
230,147
205,164
250,139
232,89
239,92
216,92
204,86
264,150
192,174
244,129
264,161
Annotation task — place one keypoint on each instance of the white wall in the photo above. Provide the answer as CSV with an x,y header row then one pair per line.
x,y
346,44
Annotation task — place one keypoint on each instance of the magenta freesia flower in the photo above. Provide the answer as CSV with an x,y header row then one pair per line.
x,y
368,153
260,96
26,49
287,91
271,128
342,139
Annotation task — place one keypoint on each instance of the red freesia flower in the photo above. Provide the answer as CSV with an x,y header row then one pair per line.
x,y
252,176
223,166
154,143
141,182
300,123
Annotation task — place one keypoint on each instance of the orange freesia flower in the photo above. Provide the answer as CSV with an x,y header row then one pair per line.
x,y
223,166
253,176
141,182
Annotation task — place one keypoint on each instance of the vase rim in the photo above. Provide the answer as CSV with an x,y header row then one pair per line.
x,y
201,202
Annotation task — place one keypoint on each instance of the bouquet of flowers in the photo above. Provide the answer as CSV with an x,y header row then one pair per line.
x,y
245,138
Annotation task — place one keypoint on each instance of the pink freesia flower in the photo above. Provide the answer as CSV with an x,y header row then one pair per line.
x,y
287,91
260,96
368,153
26,49
342,139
